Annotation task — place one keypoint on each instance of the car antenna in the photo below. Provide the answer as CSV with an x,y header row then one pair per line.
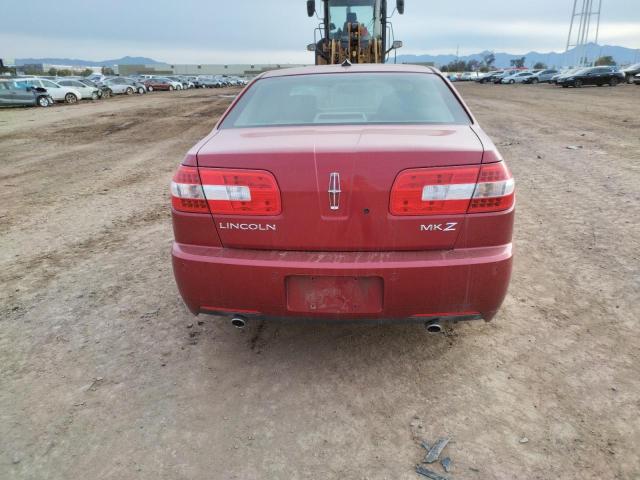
x,y
346,63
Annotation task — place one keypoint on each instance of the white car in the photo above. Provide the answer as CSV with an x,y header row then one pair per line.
x,y
520,77
58,92
86,91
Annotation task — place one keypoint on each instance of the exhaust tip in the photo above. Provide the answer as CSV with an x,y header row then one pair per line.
x,y
238,322
433,327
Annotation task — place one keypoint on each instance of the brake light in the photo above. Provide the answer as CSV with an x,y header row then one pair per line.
x,y
433,191
186,191
495,190
241,192
452,190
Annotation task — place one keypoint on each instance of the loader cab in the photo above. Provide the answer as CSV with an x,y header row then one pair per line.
x,y
344,15
354,30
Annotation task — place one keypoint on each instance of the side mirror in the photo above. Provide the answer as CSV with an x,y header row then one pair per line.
x,y
332,26
311,7
397,44
311,47
400,6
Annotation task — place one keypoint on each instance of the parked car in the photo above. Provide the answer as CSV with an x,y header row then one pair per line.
x,y
487,77
505,73
592,76
138,85
542,76
58,92
468,76
195,81
281,200
564,73
176,84
636,79
119,86
630,72
87,91
97,78
158,84
207,82
103,90
15,94
520,77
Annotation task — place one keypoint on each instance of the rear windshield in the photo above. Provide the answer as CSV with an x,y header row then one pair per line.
x,y
353,99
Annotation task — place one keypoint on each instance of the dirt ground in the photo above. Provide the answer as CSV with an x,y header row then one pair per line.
x,y
105,374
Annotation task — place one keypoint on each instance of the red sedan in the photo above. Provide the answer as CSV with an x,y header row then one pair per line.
x,y
158,84
345,192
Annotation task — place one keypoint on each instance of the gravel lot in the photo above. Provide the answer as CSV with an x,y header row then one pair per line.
x,y
104,374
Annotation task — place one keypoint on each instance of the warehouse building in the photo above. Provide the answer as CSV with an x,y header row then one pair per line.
x,y
210,69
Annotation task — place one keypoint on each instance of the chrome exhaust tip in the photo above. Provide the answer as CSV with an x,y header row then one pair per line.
x,y
433,327
238,322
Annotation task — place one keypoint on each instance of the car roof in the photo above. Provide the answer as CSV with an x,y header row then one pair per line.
x,y
368,68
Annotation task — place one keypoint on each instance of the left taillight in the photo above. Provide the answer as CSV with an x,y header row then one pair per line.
x,y
241,192
186,191
225,191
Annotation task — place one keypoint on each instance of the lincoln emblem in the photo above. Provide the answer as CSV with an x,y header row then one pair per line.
x,y
334,191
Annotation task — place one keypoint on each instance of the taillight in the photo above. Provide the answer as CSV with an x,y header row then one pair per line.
x,y
433,191
241,192
495,190
186,191
452,190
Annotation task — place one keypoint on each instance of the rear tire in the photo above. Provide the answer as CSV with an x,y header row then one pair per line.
x,y
534,81
629,79
578,84
613,82
129,91
70,98
43,102
171,88
94,96
511,82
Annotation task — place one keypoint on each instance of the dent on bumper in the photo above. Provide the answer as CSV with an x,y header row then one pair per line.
x,y
414,283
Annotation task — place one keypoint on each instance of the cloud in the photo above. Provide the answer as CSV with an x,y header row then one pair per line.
x,y
277,31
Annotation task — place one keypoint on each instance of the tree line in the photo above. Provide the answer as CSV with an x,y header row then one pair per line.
x,y
488,63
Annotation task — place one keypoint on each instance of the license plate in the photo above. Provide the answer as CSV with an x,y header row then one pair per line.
x,y
336,295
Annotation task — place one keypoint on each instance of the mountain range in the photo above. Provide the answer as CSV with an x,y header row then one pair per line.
x,y
621,55
82,63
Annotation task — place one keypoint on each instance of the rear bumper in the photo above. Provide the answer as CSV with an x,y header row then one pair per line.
x,y
421,285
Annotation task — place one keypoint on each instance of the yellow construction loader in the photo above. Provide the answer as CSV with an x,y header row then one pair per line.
x,y
355,31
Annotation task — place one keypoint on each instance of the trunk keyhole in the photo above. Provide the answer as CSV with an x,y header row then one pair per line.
x,y
366,211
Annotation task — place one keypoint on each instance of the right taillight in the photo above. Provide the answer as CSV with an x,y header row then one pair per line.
x,y
495,189
452,190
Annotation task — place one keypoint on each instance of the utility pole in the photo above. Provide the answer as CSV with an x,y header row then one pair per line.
x,y
584,28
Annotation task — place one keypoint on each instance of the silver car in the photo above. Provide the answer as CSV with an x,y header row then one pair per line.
x,y
543,76
120,86
86,91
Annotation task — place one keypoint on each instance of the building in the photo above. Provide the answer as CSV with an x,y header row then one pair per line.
x,y
44,68
205,69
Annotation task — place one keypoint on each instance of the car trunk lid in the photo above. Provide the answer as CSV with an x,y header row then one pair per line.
x,y
335,184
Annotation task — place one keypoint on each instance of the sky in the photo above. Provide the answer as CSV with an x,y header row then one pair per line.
x,y
277,31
